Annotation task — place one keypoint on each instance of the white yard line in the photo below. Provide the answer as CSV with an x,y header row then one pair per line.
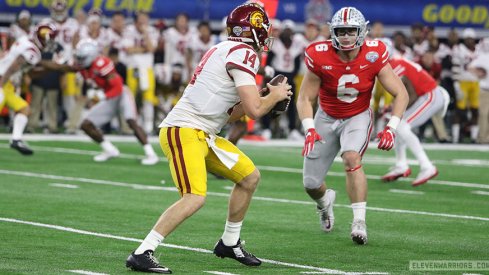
x,y
86,272
261,167
478,192
201,250
220,273
62,185
410,192
217,194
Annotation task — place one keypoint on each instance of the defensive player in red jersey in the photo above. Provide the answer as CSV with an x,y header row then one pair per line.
x,y
342,71
426,99
111,97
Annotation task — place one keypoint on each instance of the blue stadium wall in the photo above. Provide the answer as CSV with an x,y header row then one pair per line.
x,y
455,13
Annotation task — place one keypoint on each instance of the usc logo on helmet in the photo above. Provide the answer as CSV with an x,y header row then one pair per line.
x,y
256,19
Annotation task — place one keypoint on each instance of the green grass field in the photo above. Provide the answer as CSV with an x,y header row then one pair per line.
x,y
60,211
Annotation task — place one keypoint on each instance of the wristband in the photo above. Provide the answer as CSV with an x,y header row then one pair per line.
x,y
307,123
394,122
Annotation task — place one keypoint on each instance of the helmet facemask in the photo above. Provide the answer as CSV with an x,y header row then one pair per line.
x,y
348,29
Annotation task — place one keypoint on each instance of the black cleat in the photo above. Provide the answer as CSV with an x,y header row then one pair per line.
x,y
236,252
146,262
20,146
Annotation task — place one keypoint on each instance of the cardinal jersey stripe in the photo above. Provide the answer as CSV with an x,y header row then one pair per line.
x,y
182,160
175,164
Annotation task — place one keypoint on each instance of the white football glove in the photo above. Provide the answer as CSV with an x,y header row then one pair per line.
x,y
96,94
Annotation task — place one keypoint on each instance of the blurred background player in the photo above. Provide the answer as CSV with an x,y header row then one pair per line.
x,y
22,27
223,88
110,96
140,40
341,72
466,88
67,28
426,99
23,54
200,42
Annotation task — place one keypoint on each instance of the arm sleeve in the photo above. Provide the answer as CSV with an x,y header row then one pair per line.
x,y
242,78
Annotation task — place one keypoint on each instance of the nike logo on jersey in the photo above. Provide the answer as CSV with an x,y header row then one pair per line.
x,y
363,66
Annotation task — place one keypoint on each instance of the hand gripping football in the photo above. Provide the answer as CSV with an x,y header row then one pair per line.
x,y
281,106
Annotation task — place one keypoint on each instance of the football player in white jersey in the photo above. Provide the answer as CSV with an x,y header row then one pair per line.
x,y
24,54
114,34
177,39
93,30
140,41
67,28
199,44
222,88
21,27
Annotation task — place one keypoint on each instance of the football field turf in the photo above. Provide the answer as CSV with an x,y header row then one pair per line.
x,y
62,213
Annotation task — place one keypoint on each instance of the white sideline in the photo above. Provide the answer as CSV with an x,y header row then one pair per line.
x,y
217,194
261,167
269,143
220,273
201,250
409,192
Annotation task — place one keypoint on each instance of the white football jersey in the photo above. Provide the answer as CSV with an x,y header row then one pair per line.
x,y
461,57
22,47
199,48
132,38
482,61
66,33
115,40
102,39
284,57
16,32
175,45
211,94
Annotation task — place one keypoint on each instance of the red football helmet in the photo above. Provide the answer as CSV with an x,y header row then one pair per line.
x,y
249,24
44,36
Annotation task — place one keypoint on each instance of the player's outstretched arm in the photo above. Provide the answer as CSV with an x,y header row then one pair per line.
x,y
413,96
393,84
308,93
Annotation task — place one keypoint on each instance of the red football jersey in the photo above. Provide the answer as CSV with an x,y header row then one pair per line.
x,y
101,67
346,87
422,81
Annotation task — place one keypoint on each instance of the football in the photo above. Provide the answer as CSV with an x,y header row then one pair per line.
x,y
281,106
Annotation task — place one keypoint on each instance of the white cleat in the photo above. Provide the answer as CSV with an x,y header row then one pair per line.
x,y
395,173
106,155
359,232
150,160
326,215
425,175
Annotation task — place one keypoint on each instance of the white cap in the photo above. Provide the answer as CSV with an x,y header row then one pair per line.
x,y
24,14
288,24
468,33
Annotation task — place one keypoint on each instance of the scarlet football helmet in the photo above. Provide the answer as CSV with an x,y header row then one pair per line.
x,y
348,17
249,24
44,36
86,52
59,10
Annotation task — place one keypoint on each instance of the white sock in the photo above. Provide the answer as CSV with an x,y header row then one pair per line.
x,y
401,158
150,242
359,210
323,201
474,132
107,146
148,117
414,145
20,121
148,150
231,233
455,133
